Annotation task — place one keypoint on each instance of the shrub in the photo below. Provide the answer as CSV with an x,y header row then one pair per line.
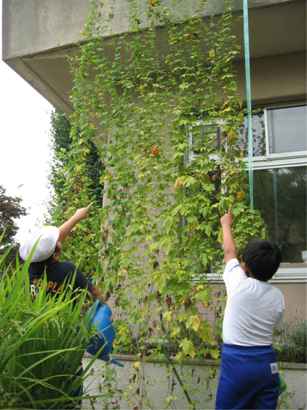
x,y
41,345
291,342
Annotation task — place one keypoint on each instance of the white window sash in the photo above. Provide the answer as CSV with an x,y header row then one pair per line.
x,y
266,133
293,159
277,160
295,274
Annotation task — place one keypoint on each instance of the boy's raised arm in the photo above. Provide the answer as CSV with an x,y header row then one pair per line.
x,y
228,241
67,226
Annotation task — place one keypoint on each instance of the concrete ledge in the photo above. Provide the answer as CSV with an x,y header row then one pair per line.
x,y
34,26
194,362
156,383
38,35
198,362
54,95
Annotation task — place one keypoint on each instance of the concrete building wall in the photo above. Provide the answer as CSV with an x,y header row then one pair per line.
x,y
34,26
295,298
295,295
276,78
39,35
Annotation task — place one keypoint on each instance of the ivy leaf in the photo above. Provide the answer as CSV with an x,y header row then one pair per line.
x,y
153,3
194,323
175,331
184,86
189,181
211,54
215,354
136,365
167,316
187,347
202,296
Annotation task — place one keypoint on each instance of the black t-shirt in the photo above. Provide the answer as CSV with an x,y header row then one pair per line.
x,y
58,274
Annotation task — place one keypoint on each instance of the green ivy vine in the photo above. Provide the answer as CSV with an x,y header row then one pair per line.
x,y
75,178
141,96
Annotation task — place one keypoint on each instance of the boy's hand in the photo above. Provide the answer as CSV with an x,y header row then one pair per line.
x,y
82,213
226,219
67,226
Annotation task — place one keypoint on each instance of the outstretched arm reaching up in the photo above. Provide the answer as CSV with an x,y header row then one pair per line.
x,y
67,226
228,241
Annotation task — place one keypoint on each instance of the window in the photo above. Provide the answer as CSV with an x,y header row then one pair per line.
x,y
280,176
197,134
280,172
279,137
287,129
280,194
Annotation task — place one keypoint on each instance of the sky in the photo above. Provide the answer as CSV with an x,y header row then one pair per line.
x,y
25,145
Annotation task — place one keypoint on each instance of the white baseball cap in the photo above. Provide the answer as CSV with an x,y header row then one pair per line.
x,y
45,240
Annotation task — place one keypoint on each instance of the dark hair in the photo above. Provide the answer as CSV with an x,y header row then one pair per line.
x,y
262,259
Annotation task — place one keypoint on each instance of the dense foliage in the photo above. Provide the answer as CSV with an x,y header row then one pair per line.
x,y
161,211
61,141
65,156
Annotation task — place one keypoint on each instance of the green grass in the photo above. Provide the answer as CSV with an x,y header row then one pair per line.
x,y
42,342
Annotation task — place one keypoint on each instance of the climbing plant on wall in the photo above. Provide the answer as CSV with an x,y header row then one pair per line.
x,y
162,104
75,178
143,96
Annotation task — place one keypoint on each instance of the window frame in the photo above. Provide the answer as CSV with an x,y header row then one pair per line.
x,y
285,274
191,155
282,159
296,271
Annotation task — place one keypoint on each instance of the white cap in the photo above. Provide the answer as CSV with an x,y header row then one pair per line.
x,y
45,240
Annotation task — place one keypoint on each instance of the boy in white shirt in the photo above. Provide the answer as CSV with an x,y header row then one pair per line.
x,y
249,374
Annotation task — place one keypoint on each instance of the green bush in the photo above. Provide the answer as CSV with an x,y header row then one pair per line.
x,y
290,342
42,342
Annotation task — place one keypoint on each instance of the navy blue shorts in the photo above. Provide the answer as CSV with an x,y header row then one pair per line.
x,y
248,378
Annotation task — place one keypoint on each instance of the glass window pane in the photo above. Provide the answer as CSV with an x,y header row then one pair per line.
x,y
258,136
280,195
204,133
287,129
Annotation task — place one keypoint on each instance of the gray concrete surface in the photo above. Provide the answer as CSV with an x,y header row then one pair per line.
x,y
39,35
159,384
34,26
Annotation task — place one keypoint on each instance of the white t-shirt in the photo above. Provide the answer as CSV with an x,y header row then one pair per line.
x,y
253,308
